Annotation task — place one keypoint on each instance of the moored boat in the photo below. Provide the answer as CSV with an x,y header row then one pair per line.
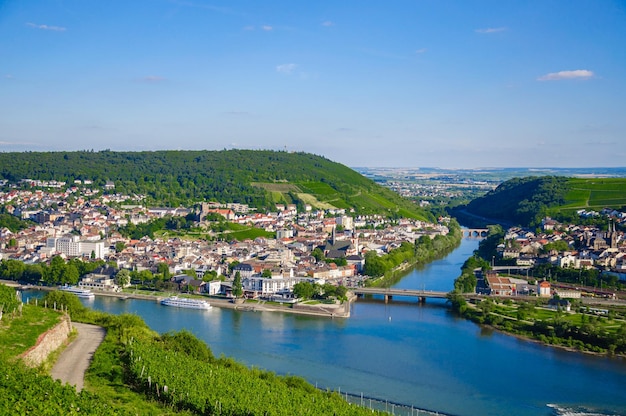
x,y
81,293
186,303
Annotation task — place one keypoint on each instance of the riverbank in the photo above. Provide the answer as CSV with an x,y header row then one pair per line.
x,y
341,310
601,335
408,256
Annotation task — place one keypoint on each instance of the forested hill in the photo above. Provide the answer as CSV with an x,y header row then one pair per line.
x,y
257,178
525,201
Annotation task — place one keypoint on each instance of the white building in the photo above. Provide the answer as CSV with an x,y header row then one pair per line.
x,y
265,286
72,246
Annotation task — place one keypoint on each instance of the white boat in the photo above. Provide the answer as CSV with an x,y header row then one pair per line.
x,y
81,293
186,303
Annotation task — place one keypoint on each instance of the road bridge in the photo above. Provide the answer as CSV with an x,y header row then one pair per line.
x,y
389,293
475,232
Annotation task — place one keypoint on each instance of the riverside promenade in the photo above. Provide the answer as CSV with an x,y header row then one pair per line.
x,y
341,310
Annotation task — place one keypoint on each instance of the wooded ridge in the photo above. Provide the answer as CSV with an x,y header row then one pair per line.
x,y
260,179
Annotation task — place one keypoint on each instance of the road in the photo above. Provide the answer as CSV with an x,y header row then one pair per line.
x,y
71,366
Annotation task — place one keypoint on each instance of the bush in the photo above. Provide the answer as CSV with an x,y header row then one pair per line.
x,y
8,300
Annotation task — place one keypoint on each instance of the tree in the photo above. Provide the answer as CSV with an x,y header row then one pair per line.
x,y
8,300
65,300
304,290
374,265
237,287
232,265
53,274
318,254
164,270
329,290
71,276
457,300
267,273
119,246
341,292
12,269
123,277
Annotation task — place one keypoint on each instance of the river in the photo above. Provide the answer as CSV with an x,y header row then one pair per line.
x,y
403,352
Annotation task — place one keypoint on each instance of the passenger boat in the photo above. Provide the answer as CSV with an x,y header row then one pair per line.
x,y
186,303
81,293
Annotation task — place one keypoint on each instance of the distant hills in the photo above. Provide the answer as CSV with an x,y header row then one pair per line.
x,y
260,179
525,201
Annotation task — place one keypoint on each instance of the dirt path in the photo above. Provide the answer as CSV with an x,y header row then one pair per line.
x,y
71,366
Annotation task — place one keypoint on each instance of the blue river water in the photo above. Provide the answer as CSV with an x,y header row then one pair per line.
x,y
419,355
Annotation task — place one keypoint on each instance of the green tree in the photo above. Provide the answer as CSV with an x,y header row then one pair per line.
x,y
341,292
53,274
164,270
123,277
237,286
318,254
64,300
457,300
11,269
267,273
374,265
329,290
8,300
304,290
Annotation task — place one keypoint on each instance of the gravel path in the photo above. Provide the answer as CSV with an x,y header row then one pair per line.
x,y
71,366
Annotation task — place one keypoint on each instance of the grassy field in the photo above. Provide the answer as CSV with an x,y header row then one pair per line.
x,y
19,334
276,187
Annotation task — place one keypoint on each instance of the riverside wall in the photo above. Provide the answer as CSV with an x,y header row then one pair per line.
x,y
48,342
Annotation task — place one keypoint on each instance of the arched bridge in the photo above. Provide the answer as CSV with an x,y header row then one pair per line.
x,y
475,232
389,293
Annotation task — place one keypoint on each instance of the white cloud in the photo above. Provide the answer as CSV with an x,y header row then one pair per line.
x,y
267,28
328,23
491,30
18,143
422,50
576,74
152,78
46,27
286,68
248,28
9,76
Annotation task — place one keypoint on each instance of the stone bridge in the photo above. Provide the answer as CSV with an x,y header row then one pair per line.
x,y
475,232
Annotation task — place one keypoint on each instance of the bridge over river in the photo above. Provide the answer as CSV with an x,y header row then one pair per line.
x,y
389,293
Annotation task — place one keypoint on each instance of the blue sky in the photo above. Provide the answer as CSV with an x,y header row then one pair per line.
x,y
366,83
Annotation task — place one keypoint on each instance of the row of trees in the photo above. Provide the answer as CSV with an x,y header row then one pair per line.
x,y
57,272
310,290
423,250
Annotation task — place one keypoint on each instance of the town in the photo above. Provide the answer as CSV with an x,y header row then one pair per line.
x,y
592,261
79,221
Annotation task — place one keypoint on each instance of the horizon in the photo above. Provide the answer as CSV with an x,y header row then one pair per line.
x,y
456,85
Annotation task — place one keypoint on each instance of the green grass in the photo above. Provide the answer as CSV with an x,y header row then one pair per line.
x,y
319,189
19,334
247,234
596,193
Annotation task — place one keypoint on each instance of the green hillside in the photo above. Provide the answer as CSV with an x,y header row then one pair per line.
x,y
136,371
257,178
525,201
